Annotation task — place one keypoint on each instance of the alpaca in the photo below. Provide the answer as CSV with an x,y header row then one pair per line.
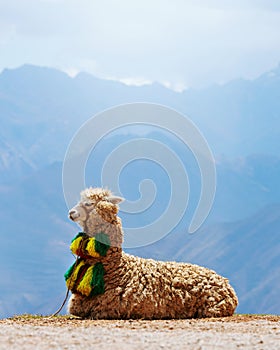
x,y
107,283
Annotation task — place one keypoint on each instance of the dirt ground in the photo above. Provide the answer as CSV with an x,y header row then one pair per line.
x,y
237,332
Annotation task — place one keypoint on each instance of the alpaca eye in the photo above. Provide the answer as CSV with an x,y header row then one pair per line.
x,y
88,204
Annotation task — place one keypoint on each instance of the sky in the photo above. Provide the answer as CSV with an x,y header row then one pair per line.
x,y
179,43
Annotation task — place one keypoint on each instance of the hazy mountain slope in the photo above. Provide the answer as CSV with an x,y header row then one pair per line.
x,y
245,186
35,234
42,104
241,117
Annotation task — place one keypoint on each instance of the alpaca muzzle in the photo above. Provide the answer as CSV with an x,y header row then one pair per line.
x,y
73,215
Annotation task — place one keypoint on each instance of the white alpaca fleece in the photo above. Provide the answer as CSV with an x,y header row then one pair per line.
x,y
140,288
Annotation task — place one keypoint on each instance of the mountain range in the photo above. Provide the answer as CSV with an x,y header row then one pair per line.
x,y
41,109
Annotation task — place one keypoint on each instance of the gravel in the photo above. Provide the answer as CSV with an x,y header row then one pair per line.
x,y
237,332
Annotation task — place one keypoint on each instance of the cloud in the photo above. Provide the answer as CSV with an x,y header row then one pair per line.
x,y
180,43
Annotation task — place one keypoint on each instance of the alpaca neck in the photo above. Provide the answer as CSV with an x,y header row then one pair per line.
x,y
94,225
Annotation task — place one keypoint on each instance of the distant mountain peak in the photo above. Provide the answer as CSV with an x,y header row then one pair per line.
x,y
29,71
271,75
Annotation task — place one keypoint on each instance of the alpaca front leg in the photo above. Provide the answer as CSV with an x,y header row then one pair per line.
x,y
78,306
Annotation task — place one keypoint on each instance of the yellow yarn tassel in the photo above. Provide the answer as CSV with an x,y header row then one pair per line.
x,y
84,286
90,248
72,279
75,244
86,247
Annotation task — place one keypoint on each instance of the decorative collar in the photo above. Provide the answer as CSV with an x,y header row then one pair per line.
x,y
83,277
90,247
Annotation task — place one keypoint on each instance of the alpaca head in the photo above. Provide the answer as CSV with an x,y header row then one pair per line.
x,y
97,211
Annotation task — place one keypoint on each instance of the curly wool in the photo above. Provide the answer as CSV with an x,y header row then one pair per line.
x,y
144,288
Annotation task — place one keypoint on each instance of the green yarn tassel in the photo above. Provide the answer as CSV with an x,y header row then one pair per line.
x,y
78,235
69,272
83,277
78,284
79,244
102,243
97,280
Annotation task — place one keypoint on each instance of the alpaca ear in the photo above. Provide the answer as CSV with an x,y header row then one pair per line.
x,y
115,200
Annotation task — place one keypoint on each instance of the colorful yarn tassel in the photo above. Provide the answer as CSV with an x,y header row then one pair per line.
x,y
82,277
86,279
85,246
